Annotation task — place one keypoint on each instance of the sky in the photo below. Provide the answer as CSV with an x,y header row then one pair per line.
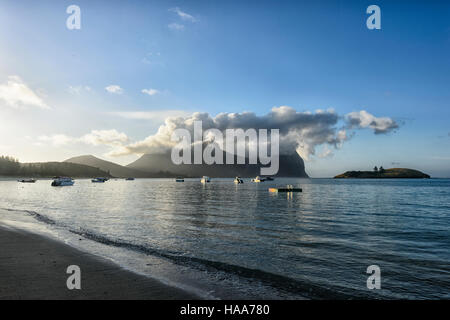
x,y
110,88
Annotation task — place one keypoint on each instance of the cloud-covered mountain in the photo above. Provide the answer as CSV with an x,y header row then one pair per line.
x,y
290,166
299,131
160,165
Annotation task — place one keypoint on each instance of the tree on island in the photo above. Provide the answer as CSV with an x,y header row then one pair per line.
x,y
9,166
381,169
375,169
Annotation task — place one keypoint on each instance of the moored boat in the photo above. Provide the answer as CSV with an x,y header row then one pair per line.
x,y
62,182
238,180
205,179
179,179
258,179
99,180
27,181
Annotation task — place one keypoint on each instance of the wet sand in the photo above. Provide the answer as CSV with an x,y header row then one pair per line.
x,y
34,267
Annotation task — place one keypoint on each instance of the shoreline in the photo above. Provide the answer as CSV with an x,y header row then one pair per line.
x,y
33,267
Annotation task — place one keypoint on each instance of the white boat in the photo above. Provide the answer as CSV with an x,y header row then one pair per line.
x,y
258,179
99,180
238,180
62,182
205,179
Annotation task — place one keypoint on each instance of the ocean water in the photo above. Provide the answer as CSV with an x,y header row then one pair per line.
x,y
223,240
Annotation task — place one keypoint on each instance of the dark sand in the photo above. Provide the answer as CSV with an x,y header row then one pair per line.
x,y
34,267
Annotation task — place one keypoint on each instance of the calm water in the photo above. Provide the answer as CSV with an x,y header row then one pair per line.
x,y
229,241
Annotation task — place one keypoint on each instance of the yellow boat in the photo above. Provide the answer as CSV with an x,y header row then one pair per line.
x,y
288,188
258,179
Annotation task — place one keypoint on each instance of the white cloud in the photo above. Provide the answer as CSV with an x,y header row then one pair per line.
x,y
78,89
114,89
4,147
302,132
56,140
325,153
112,138
176,26
363,119
183,15
299,131
17,94
150,92
307,133
157,115
105,137
153,58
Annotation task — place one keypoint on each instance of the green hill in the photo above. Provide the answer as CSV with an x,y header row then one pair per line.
x,y
13,168
394,173
114,169
52,169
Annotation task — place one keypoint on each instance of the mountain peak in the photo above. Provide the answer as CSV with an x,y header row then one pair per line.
x,y
85,156
290,166
114,169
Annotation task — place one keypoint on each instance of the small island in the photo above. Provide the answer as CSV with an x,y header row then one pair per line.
x,y
394,173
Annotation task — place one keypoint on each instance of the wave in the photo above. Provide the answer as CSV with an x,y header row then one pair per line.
x,y
34,214
281,283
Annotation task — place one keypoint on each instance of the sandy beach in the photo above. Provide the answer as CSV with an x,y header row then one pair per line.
x,y
34,267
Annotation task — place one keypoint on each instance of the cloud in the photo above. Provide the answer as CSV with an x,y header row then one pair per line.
x,y
4,147
16,94
111,138
156,116
326,153
105,137
363,119
114,89
299,131
153,58
56,140
77,90
150,92
176,26
183,15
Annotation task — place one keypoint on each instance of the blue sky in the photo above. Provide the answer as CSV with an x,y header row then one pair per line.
x,y
228,56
